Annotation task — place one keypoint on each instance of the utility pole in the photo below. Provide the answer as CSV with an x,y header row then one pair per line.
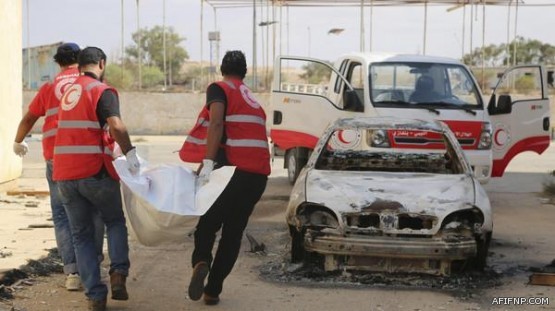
x,y
139,54
254,80
164,44
122,50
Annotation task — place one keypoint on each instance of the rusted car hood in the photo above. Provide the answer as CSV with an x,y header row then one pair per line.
x,y
427,194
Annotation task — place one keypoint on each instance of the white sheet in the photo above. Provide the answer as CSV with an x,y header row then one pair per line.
x,y
162,201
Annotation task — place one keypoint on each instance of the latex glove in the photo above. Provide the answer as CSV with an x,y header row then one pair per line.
x,y
133,161
204,174
20,148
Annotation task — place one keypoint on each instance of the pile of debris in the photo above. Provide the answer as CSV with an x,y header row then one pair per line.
x,y
15,279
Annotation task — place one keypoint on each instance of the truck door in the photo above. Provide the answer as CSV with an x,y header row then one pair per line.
x,y
519,112
304,100
307,94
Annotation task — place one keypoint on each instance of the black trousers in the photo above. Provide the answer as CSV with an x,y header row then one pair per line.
x,y
230,212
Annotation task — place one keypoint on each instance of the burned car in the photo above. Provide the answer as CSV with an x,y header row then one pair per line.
x,y
389,195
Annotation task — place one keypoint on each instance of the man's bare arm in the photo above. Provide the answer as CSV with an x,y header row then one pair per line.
x,y
215,129
25,126
119,133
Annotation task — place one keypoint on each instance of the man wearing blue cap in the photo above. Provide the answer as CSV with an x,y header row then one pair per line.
x,y
46,104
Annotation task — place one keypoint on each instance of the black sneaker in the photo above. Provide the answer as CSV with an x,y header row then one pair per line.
x,y
196,286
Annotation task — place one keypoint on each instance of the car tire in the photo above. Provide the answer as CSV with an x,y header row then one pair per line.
x,y
298,251
479,262
295,160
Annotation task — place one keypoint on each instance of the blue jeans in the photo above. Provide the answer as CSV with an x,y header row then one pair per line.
x,y
62,230
83,198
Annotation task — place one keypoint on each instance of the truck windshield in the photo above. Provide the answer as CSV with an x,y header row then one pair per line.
x,y
422,85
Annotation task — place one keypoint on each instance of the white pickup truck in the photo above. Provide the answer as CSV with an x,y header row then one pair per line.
x,y
308,94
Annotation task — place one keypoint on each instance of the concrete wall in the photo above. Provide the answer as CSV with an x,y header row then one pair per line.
x,y
171,113
157,113
10,87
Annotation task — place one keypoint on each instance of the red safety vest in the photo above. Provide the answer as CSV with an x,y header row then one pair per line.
x,y
81,146
46,104
246,145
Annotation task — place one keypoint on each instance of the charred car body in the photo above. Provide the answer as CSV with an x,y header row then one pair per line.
x,y
393,195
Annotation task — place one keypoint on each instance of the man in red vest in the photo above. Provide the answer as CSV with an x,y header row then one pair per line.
x,y
89,117
46,104
230,130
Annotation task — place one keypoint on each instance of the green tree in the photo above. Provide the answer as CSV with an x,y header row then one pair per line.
x,y
152,49
152,76
528,51
493,56
115,78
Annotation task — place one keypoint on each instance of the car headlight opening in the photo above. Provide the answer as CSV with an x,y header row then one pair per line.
x,y
378,138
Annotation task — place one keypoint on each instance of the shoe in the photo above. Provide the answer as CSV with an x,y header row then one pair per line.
x,y
211,300
117,282
73,282
196,286
97,305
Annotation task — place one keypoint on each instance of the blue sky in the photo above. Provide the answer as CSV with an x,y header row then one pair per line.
x,y
395,29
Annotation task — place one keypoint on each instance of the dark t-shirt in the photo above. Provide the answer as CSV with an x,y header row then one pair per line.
x,y
108,104
215,93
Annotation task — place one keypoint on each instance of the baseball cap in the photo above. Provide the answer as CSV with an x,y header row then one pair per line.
x,y
67,53
68,47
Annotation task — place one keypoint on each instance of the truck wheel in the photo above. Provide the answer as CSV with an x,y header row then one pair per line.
x,y
295,159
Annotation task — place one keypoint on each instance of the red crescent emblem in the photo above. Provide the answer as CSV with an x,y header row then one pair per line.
x,y
66,97
496,136
340,137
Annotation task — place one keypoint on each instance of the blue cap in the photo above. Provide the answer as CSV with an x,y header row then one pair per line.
x,y
68,47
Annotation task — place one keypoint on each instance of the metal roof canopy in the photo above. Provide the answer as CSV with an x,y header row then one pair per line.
x,y
332,3
455,4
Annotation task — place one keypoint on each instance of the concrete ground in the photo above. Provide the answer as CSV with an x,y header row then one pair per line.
x,y
523,230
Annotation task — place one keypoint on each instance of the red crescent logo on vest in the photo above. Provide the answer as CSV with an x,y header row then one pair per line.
x,y
247,96
71,97
62,85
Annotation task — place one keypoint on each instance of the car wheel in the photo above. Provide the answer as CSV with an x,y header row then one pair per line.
x,y
295,158
479,262
297,245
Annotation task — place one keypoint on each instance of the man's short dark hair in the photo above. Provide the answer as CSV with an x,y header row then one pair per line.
x,y
234,64
91,55
67,54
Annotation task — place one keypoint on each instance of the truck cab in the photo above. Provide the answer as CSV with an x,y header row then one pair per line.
x,y
308,94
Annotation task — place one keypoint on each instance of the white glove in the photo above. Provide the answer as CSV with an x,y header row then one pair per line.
x,y
21,148
133,161
204,174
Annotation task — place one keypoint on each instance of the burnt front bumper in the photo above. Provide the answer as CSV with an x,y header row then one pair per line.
x,y
390,254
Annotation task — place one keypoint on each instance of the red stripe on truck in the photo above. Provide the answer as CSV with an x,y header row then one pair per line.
x,y
537,144
466,130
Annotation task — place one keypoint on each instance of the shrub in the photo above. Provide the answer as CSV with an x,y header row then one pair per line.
x,y
114,77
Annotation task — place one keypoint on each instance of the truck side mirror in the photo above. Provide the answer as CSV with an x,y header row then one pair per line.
x,y
351,101
504,105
